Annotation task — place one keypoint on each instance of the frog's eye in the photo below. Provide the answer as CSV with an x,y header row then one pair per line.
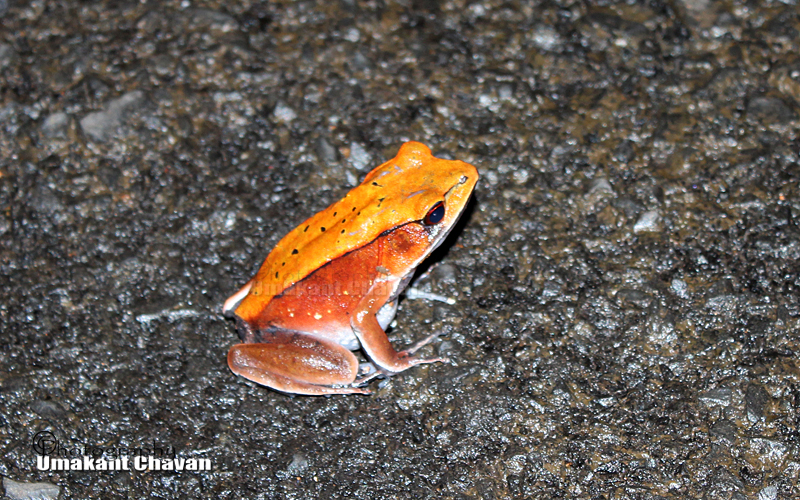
x,y
435,214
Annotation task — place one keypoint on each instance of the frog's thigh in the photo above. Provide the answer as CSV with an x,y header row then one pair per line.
x,y
297,364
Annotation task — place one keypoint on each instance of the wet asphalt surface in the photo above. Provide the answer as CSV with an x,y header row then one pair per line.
x,y
627,314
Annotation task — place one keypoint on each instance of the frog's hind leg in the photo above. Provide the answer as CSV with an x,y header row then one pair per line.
x,y
297,364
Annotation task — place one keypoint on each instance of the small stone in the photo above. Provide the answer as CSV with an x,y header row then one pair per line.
x,y
520,176
546,38
697,5
769,449
359,157
100,126
44,200
769,110
298,465
30,491
446,273
283,113
680,288
8,118
720,396
724,304
724,429
7,54
48,409
755,399
600,185
722,484
360,62
625,152
637,298
56,125
648,222
661,332
352,35
768,493
551,289
326,153
212,19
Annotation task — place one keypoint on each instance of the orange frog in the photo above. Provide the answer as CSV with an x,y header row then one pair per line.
x,y
331,285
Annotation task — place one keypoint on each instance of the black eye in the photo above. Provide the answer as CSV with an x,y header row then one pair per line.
x,y
435,214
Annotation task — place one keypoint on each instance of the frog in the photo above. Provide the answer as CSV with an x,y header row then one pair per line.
x,y
331,286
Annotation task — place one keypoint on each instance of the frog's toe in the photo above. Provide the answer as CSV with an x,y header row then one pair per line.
x,y
424,361
367,372
422,343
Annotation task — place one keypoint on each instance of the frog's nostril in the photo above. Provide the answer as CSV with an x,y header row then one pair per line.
x,y
463,179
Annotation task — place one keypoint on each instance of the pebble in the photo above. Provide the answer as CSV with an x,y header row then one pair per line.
x,y
600,185
30,491
55,125
298,465
717,397
326,153
100,126
769,110
768,493
724,429
352,35
283,113
546,38
648,222
359,157
551,289
7,54
48,409
680,288
625,152
755,399
44,200
637,298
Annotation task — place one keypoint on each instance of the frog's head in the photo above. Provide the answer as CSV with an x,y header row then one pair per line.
x,y
427,190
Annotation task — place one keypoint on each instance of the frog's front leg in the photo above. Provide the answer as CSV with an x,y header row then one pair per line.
x,y
296,363
373,338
